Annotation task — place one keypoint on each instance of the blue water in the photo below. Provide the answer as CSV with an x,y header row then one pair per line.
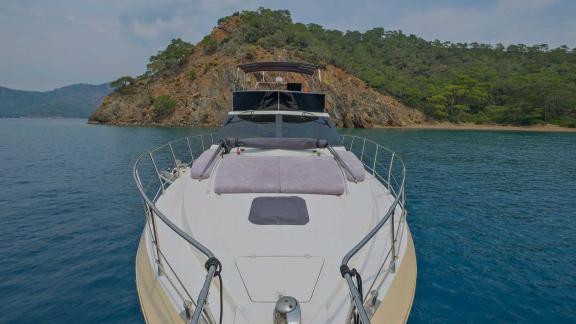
x,y
493,215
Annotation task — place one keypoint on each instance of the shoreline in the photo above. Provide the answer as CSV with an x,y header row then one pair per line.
x,y
472,126
424,126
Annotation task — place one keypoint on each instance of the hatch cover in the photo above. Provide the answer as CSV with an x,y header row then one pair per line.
x,y
268,277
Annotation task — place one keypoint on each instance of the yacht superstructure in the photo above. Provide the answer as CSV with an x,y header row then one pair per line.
x,y
276,218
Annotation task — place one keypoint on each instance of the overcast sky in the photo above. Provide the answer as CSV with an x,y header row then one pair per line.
x,y
48,44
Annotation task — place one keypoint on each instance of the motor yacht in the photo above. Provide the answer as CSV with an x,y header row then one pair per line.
x,y
274,218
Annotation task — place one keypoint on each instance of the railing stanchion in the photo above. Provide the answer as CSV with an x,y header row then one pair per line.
x,y
390,169
375,159
156,239
157,171
151,228
173,155
202,141
190,149
403,192
393,243
211,139
362,155
344,137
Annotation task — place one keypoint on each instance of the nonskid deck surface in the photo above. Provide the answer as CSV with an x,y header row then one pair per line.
x,y
262,262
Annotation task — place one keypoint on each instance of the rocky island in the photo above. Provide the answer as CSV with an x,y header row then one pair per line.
x,y
372,79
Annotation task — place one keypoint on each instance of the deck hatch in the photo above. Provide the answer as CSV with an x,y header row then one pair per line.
x,y
266,278
290,210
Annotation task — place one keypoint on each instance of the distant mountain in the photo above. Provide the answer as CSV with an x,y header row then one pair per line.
x,y
73,101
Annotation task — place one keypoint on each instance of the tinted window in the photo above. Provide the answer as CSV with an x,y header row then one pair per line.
x,y
277,100
255,126
309,127
254,100
249,126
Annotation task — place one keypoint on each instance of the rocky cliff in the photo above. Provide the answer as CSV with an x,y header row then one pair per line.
x,y
199,90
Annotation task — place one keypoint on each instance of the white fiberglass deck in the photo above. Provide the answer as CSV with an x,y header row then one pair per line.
x,y
263,262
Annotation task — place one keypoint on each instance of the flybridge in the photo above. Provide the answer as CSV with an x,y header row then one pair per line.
x,y
302,68
275,92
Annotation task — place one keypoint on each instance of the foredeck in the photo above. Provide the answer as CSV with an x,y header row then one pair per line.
x,y
262,262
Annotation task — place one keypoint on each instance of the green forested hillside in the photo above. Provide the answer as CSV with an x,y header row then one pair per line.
x,y
458,82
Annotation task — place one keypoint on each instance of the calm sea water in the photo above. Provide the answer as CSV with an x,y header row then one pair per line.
x,y
493,215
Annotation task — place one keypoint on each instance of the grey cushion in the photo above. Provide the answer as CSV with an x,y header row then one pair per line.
x,y
200,164
274,174
354,164
311,175
243,174
278,211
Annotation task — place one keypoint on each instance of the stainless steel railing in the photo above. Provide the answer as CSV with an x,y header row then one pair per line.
x,y
166,174
371,154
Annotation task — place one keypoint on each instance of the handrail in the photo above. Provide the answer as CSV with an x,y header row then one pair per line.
x,y
167,221
212,265
399,195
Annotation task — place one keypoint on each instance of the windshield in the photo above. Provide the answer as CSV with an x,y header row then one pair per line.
x,y
277,100
249,126
309,127
276,125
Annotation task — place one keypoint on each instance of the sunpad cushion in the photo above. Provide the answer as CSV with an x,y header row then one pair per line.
x,y
274,174
200,164
311,175
354,165
243,174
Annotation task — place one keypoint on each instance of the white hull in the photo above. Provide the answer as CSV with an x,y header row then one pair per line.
x,y
261,263
158,307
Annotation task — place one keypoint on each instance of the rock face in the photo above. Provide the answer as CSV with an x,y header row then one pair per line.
x,y
201,89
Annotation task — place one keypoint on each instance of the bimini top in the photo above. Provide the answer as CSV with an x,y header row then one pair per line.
x,y
303,68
